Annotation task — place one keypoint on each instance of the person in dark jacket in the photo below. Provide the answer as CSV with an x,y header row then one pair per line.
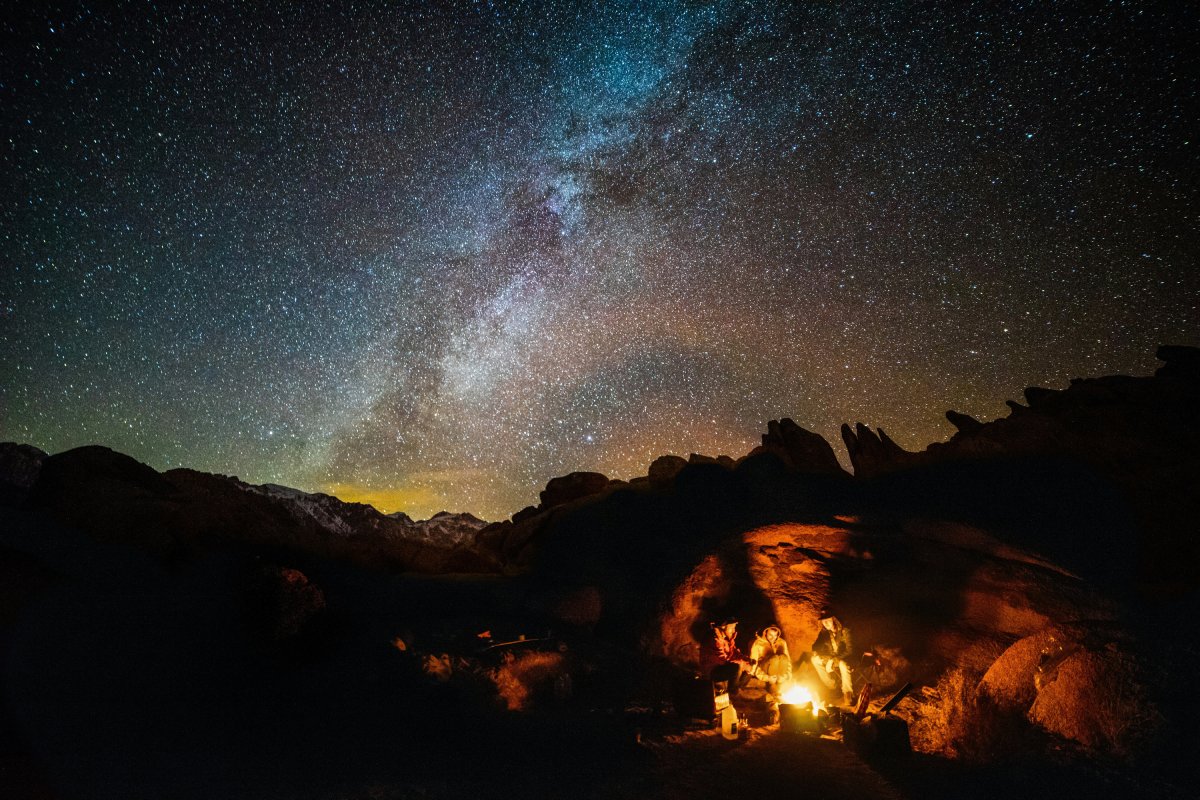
x,y
830,656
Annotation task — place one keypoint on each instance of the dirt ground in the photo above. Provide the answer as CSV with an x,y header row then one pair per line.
x,y
586,755
764,762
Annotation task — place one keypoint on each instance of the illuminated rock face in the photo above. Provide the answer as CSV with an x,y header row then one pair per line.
x,y
690,611
775,574
1097,696
1082,681
790,564
938,595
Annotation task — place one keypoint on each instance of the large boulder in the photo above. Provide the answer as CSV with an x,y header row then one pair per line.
x,y
720,461
1010,682
282,604
664,469
1080,681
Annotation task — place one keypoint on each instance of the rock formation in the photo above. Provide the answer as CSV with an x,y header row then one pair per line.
x,y
574,486
1137,435
801,450
1083,681
874,453
663,470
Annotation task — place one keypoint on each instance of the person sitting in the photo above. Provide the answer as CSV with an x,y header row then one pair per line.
x,y
724,660
830,654
771,662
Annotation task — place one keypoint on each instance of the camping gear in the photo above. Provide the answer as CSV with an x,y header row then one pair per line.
x,y
879,735
798,718
900,694
729,722
864,702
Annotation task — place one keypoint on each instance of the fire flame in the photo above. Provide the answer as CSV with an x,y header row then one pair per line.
x,y
798,695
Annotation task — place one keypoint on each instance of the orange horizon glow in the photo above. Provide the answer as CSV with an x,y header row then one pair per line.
x,y
419,502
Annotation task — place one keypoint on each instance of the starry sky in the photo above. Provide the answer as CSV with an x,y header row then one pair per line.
x,y
430,256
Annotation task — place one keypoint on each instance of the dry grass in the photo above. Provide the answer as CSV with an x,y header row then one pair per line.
x,y
1095,699
955,719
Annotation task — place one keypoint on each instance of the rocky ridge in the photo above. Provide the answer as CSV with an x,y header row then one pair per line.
x,y
1132,439
183,511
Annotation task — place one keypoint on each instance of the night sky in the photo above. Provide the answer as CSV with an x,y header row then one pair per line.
x,y
431,257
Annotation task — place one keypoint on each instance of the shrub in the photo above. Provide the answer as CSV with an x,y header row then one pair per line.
x,y
282,605
524,679
955,719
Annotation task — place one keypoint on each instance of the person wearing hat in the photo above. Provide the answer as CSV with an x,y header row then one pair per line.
x,y
830,654
723,658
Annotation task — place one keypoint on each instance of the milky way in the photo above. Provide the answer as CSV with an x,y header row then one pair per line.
x,y
430,257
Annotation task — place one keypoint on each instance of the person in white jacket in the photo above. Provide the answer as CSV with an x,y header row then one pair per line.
x,y
771,662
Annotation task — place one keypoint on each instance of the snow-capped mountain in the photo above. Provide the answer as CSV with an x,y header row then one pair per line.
x,y
443,529
182,510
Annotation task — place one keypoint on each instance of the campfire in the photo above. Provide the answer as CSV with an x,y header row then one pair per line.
x,y
799,696
800,710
